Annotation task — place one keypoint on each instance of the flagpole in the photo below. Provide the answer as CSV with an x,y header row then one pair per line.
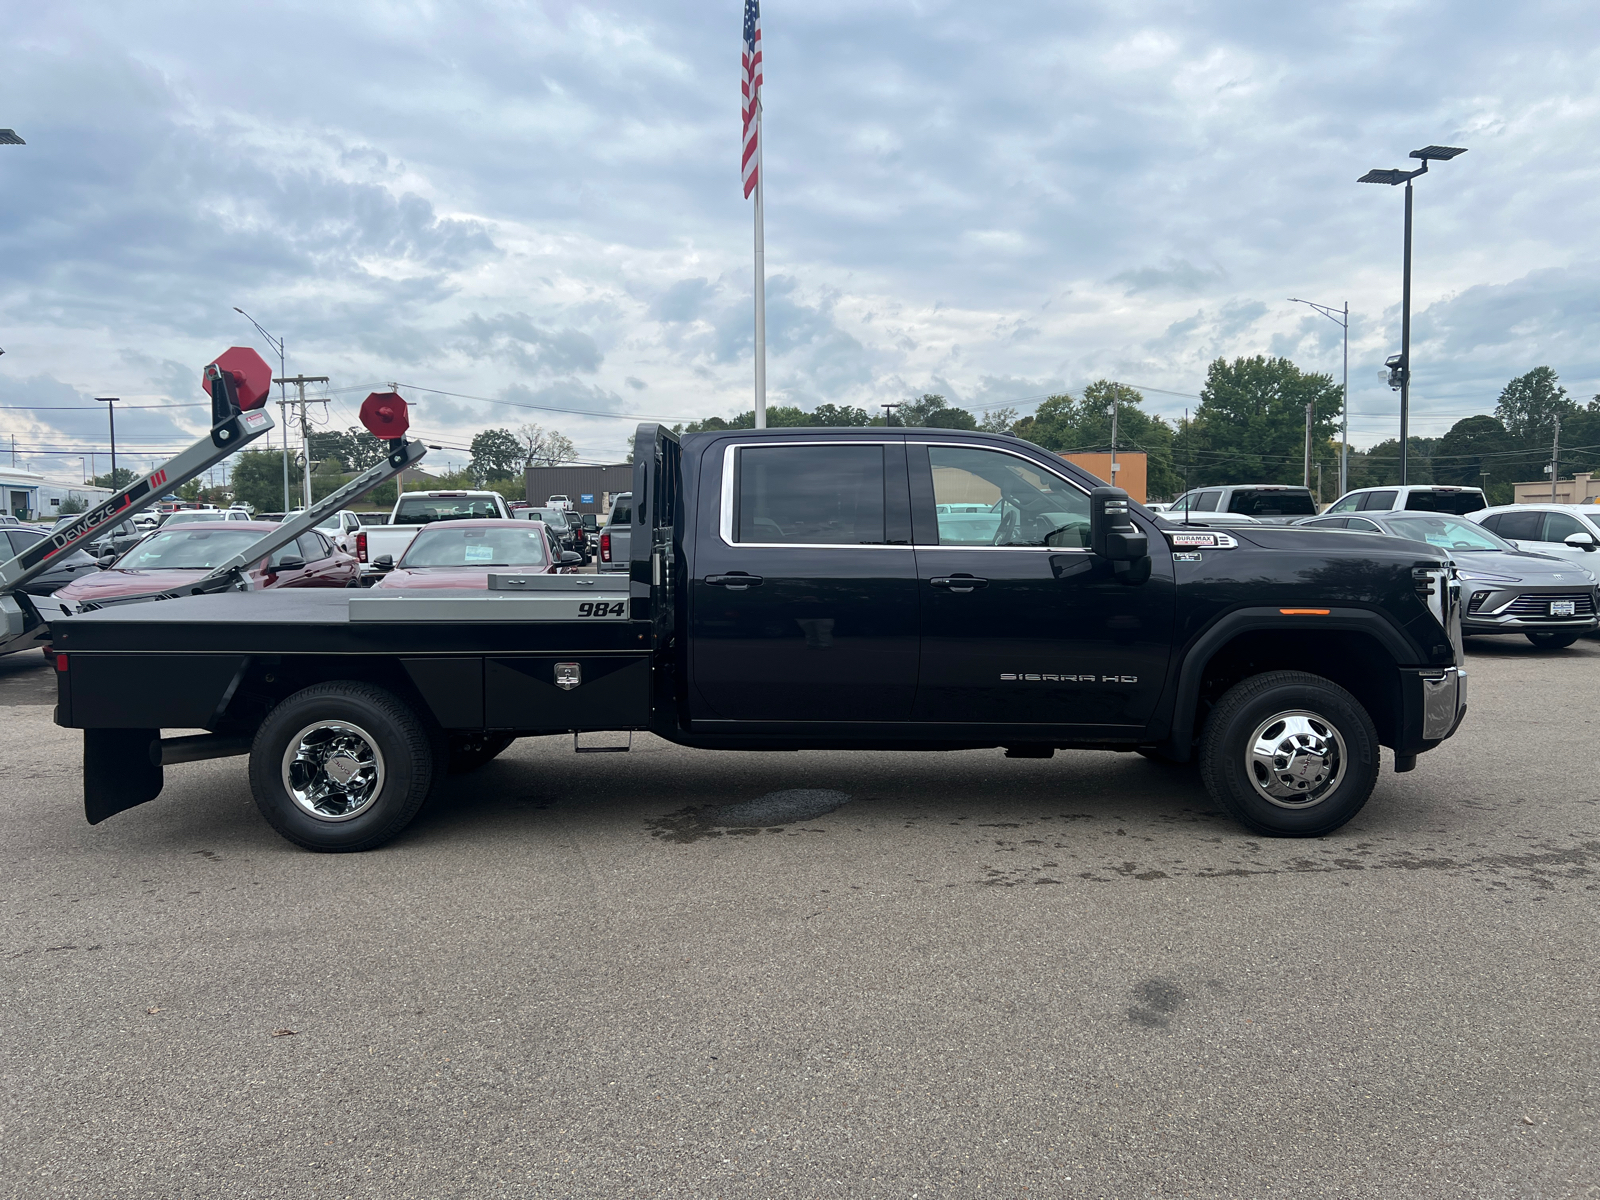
x,y
761,285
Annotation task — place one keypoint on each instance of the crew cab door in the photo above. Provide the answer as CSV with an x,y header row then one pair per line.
x,y
1021,623
804,590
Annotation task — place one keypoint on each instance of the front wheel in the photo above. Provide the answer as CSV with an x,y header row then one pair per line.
x,y
1289,754
1552,639
340,767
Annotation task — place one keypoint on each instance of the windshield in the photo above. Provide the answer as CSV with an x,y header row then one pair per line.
x,y
501,546
187,549
552,517
424,510
190,518
1448,533
1277,502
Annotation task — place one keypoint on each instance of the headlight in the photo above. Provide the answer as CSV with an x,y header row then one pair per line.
x,y
1487,578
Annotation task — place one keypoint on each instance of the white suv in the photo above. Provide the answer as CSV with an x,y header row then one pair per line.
x,y
1424,497
1569,531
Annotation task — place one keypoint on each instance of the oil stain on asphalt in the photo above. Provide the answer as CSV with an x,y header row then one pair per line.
x,y
773,812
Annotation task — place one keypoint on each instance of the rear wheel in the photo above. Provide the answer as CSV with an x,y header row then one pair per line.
x,y
340,767
1289,754
1554,639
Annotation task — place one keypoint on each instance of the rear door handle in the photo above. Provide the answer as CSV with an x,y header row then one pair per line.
x,y
736,582
959,583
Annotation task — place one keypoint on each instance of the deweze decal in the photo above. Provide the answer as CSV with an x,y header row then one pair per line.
x,y
1043,678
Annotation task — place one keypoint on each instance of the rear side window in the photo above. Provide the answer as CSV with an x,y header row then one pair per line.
x,y
1456,503
816,495
1520,526
1378,501
1274,503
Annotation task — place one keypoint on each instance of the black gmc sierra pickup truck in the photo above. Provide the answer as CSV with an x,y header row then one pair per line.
x,y
911,589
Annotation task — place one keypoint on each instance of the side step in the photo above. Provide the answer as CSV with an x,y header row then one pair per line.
x,y
577,749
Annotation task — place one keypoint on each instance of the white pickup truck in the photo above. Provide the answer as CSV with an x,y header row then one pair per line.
x,y
379,547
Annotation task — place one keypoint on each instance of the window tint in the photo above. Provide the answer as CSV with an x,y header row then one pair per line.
x,y
1491,522
621,510
1558,527
1520,526
1206,502
820,495
1362,525
1274,503
1458,503
1329,523
986,498
1378,501
1345,504
423,510
312,547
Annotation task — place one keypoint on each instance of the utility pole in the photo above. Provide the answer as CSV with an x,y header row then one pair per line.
x,y
1555,461
1319,486
1308,446
1341,318
111,415
1115,467
888,413
300,382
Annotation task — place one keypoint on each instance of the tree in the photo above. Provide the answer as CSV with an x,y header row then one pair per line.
x,y
71,506
258,479
932,412
1066,424
115,480
1379,466
496,454
1250,426
1530,403
545,447
1472,448
354,447
785,416
999,421
839,416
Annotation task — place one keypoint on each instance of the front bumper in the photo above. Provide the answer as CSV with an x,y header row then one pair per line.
x,y
1433,705
1520,609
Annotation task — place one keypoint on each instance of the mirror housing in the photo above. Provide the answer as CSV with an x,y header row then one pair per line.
x,y
384,562
570,558
289,564
1583,541
1114,536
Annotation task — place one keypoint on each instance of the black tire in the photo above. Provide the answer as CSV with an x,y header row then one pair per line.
x,y
1237,779
469,751
1552,639
383,801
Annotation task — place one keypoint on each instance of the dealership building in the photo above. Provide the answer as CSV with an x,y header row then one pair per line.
x,y
29,496
589,488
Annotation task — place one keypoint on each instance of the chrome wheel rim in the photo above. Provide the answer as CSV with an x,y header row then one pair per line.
x,y
333,770
1295,759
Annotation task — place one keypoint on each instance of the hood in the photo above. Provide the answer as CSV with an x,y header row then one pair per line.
x,y
110,583
1519,564
419,578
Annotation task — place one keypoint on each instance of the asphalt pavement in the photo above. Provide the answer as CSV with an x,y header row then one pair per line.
x,y
690,974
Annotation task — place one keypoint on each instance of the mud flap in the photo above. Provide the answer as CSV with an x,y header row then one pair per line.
x,y
118,772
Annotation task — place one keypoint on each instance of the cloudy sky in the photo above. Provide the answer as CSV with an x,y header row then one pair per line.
x,y
536,206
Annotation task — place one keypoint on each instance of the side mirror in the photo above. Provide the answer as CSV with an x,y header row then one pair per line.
x,y
1114,536
384,562
105,558
1584,541
568,558
289,564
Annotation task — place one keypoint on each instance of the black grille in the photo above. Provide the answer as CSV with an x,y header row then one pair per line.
x,y
1538,604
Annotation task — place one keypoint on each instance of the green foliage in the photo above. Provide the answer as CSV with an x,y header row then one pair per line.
x,y
355,448
1473,446
1379,466
930,411
1250,426
1529,405
999,421
120,478
72,506
1067,424
496,454
782,416
258,480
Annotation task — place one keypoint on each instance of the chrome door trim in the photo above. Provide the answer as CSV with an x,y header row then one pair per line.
x,y
725,517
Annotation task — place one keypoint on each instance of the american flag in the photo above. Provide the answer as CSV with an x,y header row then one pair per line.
x,y
750,90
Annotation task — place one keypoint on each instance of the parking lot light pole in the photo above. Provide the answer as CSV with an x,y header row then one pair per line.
x,y
1403,368
111,415
1341,318
283,397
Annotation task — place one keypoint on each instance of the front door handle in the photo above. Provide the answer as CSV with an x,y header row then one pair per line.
x,y
738,581
959,583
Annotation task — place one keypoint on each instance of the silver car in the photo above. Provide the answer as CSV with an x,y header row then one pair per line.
x,y
1503,589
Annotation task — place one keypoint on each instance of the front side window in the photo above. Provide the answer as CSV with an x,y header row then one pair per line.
x,y
1345,504
810,495
504,546
1207,501
988,498
1558,527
